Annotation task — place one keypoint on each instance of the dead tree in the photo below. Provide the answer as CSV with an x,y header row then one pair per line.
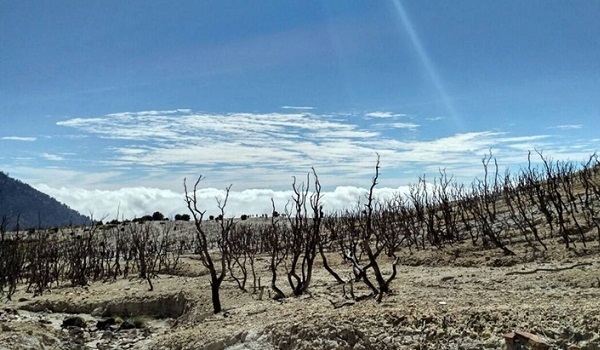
x,y
216,265
305,234
446,213
591,195
522,209
318,218
239,253
555,196
274,236
417,194
372,245
484,207
538,193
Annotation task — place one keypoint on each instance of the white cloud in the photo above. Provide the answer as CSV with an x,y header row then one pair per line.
x,y
433,119
410,126
254,150
139,201
298,107
384,115
18,138
568,127
52,157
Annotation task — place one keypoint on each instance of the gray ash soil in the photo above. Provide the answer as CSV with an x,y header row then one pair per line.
x,y
455,298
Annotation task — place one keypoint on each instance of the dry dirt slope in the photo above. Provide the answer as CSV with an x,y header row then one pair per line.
x,y
437,305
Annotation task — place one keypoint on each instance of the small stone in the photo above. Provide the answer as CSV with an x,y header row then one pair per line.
x,y
126,325
10,311
98,312
74,322
105,323
75,331
250,336
108,335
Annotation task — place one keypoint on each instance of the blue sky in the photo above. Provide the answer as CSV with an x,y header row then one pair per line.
x,y
116,102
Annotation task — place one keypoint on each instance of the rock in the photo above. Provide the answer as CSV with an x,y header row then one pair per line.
x,y
126,325
515,341
10,311
105,323
108,335
98,312
74,322
101,346
218,345
75,331
249,336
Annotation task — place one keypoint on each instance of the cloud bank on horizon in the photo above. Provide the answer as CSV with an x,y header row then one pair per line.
x,y
139,201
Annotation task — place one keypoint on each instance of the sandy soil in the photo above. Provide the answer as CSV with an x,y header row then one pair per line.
x,y
456,298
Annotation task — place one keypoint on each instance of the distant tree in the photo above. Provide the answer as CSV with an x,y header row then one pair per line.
x,y
275,214
177,217
185,217
158,216
244,217
211,217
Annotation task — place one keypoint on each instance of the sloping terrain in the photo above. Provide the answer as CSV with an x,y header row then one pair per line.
x,y
32,208
435,306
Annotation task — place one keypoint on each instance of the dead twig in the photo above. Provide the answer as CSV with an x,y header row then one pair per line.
x,y
547,269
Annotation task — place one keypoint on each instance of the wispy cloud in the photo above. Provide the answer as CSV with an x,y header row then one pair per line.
x,y
433,119
298,107
411,126
263,150
18,138
567,127
384,115
52,157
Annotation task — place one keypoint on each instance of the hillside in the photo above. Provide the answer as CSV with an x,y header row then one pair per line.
x,y
32,207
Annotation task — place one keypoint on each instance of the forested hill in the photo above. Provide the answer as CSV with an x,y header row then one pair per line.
x,y
32,208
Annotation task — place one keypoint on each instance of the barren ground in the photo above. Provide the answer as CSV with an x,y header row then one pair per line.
x,y
461,297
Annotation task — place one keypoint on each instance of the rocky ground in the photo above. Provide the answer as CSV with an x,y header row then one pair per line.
x,y
456,298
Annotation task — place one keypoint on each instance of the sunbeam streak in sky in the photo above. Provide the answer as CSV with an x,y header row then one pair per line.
x,y
427,64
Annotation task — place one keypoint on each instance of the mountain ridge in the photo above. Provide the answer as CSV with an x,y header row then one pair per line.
x,y
23,207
